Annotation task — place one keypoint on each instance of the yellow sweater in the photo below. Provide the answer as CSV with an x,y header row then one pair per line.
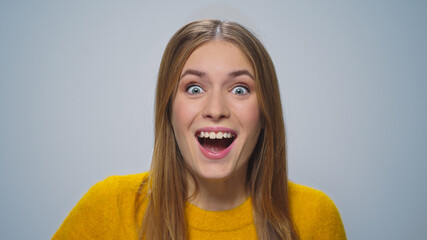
x,y
107,212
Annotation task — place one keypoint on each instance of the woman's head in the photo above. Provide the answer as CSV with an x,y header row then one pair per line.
x,y
266,177
200,33
215,113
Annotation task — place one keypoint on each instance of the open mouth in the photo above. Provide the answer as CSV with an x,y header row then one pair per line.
x,y
215,142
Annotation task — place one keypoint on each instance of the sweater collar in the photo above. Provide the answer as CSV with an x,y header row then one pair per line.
x,y
228,220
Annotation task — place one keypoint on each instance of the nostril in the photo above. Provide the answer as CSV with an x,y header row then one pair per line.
x,y
213,116
216,109
216,115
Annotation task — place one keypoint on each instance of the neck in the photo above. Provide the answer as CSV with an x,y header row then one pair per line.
x,y
219,195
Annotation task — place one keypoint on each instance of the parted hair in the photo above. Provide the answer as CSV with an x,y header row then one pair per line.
x,y
166,194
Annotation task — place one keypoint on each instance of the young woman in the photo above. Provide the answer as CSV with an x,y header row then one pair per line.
x,y
219,162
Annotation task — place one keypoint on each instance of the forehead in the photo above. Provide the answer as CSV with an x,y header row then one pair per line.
x,y
218,55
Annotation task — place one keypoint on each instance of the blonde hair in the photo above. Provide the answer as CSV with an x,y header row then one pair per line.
x,y
164,217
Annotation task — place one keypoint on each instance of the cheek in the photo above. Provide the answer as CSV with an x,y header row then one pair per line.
x,y
253,114
183,114
249,114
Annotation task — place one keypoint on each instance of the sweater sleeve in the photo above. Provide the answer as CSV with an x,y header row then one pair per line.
x,y
94,216
328,223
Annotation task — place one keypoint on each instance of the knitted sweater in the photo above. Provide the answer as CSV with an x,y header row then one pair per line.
x,y
107,212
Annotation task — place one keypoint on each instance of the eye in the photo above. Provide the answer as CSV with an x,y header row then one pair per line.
x,y
194,89
240,90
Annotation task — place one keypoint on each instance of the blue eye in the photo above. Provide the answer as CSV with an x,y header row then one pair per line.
x,y
240,90
194,89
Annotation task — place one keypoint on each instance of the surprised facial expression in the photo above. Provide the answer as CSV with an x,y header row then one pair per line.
x,y
215,112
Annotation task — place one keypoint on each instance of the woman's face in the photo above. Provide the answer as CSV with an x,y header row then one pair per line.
x,y
215,112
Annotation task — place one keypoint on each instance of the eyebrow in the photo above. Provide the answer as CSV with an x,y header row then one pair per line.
x,y
241,72
231,74
193,72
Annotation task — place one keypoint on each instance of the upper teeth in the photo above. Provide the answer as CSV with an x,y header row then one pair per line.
x,y
215,135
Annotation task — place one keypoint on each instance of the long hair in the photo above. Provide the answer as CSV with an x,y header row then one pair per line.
x,y
164,216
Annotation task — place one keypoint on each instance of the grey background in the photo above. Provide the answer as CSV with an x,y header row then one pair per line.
x,y
77,89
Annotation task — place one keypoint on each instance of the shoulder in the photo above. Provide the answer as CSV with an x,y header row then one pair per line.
x,y
314,213
114,193
102,208
300,194
121,184
115,187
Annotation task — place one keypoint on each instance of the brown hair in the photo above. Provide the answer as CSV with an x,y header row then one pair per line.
x,y
164,217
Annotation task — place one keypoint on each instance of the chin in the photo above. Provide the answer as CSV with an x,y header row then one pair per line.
x,y
214,175
215,170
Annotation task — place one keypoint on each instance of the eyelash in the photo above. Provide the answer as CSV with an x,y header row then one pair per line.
x,y
191,87
246,89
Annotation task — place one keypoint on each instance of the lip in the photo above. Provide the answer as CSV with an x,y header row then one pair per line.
x,y
218,155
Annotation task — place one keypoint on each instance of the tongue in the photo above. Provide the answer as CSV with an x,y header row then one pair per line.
x,y
215,145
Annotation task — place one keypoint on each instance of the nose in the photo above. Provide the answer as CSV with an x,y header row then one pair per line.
x,y
216,107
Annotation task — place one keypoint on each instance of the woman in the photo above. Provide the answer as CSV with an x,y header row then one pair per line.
x,y
219,163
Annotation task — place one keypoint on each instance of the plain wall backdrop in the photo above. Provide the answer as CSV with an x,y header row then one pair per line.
x,y
77,81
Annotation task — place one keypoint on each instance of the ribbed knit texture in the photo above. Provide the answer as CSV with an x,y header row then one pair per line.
x,y
107,212
236,223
